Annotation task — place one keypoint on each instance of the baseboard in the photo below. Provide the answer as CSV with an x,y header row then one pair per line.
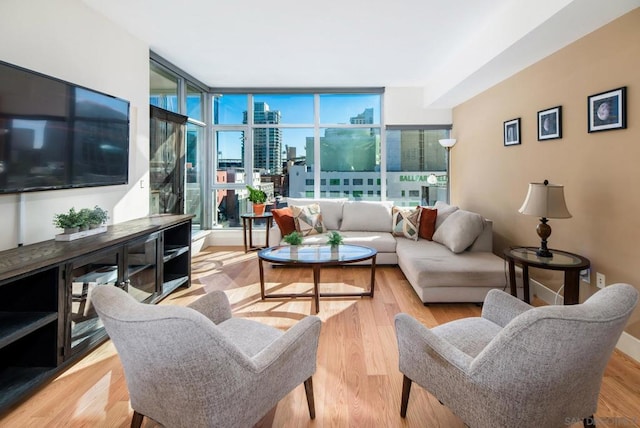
x,y
627,343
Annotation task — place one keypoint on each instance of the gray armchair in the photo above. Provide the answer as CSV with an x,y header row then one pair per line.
x,y
197,366
517,365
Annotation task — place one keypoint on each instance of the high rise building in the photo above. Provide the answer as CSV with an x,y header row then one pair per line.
x,y
267,142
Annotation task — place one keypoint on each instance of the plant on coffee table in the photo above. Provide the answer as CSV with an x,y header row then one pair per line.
x,y
335,239
294,238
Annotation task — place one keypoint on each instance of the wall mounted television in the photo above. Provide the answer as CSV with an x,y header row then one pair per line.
x,y
57,135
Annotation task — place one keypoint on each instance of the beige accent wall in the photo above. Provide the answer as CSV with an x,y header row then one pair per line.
x,y
600,171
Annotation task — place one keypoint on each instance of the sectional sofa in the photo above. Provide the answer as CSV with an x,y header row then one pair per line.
x,y
457,265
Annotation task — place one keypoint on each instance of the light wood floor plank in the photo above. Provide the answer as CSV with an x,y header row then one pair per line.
x,y
357,383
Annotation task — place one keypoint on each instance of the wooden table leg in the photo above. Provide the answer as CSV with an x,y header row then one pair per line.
x,y
261,268
512,278
373,275
571,287
250,233
244,234
316,286
268,228
525,283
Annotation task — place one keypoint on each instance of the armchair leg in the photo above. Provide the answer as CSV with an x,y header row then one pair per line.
x,y
406,389
589,422
136,421
308,389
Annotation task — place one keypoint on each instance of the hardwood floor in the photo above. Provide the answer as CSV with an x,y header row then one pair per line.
x,y
357,383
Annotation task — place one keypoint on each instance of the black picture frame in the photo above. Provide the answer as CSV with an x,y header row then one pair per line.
x,y
607,110
550,123
511,132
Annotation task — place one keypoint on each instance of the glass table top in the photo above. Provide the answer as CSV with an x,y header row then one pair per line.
x,y
316,253
560,258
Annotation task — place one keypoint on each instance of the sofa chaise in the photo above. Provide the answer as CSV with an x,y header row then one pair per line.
x,y
457,265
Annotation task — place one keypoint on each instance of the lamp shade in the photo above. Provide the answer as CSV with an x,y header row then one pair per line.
x,y
545,200
447,142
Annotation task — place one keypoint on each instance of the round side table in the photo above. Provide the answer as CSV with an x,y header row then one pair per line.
x,y
247,228
570,263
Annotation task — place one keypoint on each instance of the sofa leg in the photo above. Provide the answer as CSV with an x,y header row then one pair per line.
x,y
136,420
308,389
406,389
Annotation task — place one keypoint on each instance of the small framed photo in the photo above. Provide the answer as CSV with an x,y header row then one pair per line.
x,y
550,124
512,132
607,110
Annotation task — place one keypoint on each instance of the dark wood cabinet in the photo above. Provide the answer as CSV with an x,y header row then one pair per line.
x,y
47,321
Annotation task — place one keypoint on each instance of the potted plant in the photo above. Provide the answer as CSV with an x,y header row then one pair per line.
x,y
258,197
335,239
293,239
85,214
97,217
70,221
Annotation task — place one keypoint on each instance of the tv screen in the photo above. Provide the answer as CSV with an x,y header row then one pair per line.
x,y
57,135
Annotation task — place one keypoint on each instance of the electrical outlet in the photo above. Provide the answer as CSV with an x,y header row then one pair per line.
x,y
600,280
585,275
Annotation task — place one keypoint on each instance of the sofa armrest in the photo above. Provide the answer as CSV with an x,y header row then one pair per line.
x,y
417,344
484,242
275,235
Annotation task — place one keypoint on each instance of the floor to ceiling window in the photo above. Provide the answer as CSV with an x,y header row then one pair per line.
x,y
314,144
416,164
295,144
171,91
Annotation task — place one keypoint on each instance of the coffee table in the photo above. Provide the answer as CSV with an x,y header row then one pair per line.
x,y
316,256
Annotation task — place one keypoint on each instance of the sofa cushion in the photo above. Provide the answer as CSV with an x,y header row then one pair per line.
x,y
406,222
459,230
383,242
308,219
284,219
444,211
428,218
430,264
331,209
367,216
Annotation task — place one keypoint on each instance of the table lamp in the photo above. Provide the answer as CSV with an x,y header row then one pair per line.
x,y
546,201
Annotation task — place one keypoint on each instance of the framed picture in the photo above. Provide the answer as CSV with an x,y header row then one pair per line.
x,y
550,123
607,110
512,132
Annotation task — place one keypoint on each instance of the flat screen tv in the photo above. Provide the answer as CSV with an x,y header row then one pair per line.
x,y
57,135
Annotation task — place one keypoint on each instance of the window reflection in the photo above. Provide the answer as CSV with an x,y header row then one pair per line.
x,y
163,89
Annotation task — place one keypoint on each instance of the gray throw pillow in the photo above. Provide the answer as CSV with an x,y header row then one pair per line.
x,y
459,230
444,210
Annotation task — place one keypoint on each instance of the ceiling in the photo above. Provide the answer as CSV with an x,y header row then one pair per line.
x,y
452,49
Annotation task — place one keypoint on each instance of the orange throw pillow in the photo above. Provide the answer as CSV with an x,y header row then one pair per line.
x,y
284,220
427,223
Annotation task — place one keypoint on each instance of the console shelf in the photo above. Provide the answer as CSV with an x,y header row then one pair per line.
x,y
15,325
47,320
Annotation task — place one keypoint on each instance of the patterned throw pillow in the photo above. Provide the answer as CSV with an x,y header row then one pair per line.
x,y
308,219
406,222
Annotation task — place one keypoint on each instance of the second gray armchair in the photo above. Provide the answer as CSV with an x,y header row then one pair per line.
x,y
197,366
517,366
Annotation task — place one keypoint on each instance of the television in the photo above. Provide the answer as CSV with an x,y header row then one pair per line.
x,y
57,135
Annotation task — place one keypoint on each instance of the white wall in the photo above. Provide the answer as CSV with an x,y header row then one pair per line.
x,y
405,106
67,40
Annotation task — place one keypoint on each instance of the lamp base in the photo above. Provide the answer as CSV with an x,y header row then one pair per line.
x,y
544,252
544,231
